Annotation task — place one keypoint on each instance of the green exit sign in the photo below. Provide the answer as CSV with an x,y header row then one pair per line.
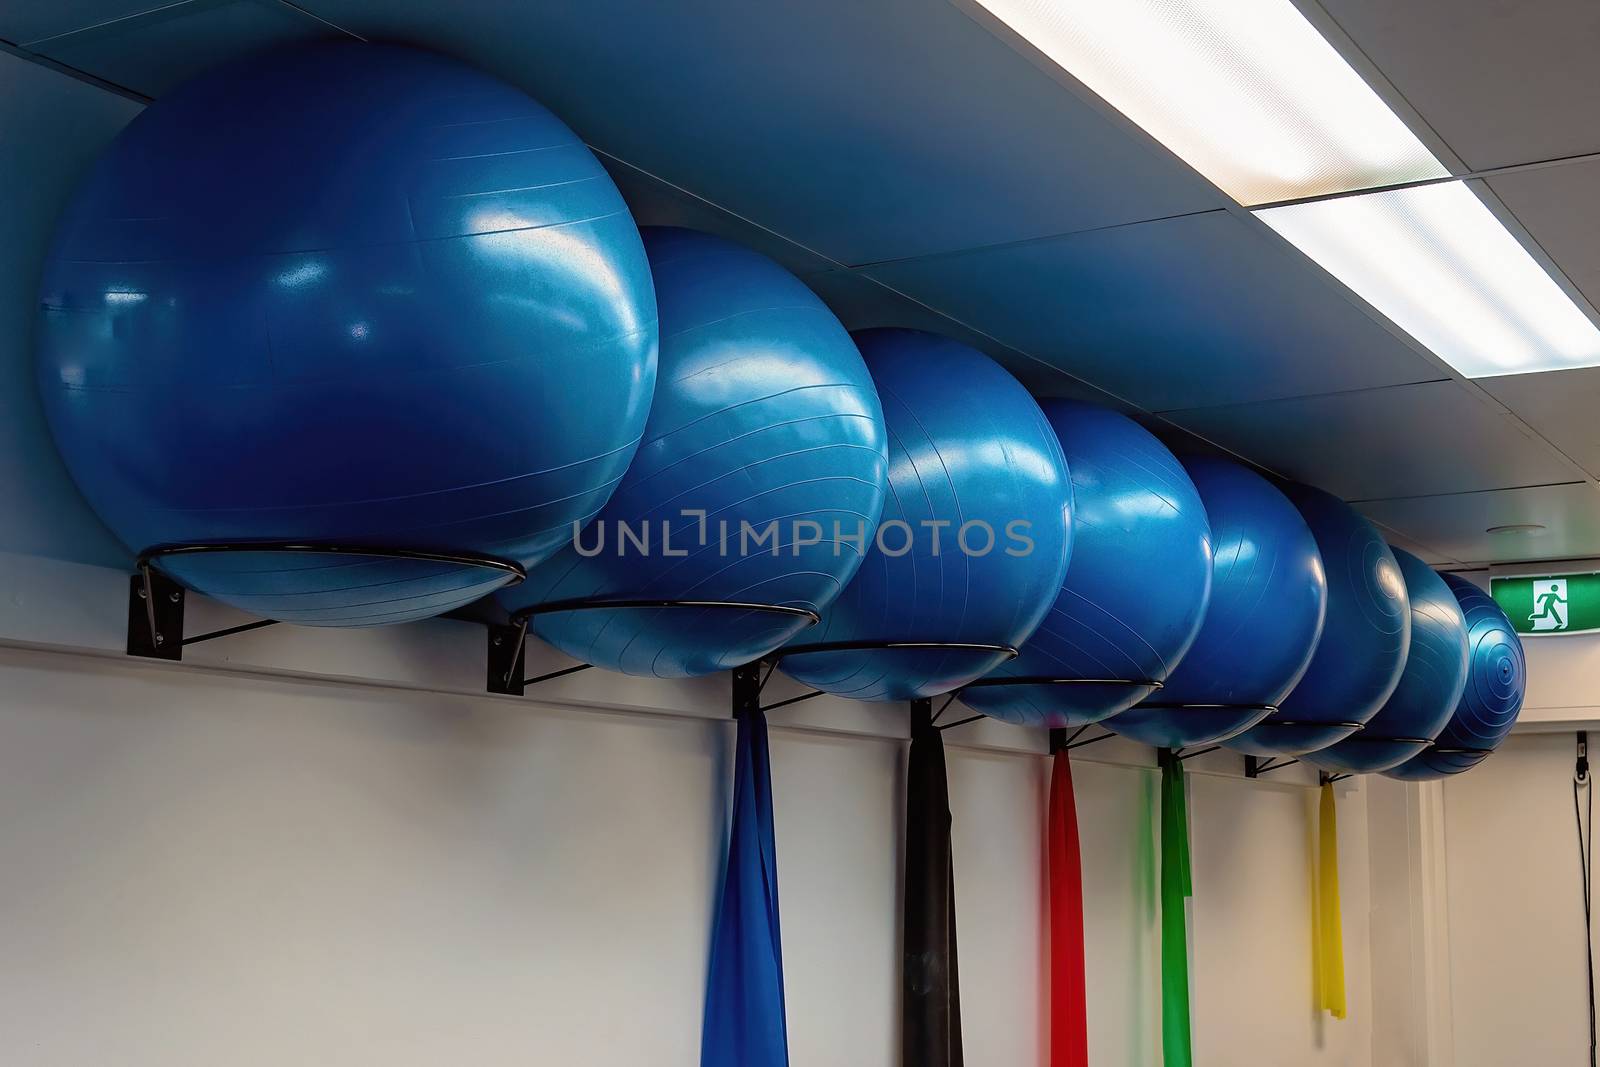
x,y
1550,604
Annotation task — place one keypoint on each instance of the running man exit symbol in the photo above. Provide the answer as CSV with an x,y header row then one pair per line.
x,y
1549,604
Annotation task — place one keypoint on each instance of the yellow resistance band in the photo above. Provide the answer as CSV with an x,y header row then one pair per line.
x,y
1330,932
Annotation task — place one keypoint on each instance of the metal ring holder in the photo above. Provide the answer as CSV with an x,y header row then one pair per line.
x,y
1255,767
924,704
1182,754
155,630
1478,754
507,644
155,601
897,646
1058,738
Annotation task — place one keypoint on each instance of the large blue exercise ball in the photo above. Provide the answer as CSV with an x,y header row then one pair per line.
x,y
1268,598
1135,592
1362,651
1133,597
975,533
1430,685
352,294
759,481
1497,678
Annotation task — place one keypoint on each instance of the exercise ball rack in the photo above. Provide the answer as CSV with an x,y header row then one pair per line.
x,y
1256,766
508,643
156,615
156,601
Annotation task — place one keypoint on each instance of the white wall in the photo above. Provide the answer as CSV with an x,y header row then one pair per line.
x,y
203,866
1514,975
1515,908
1253,874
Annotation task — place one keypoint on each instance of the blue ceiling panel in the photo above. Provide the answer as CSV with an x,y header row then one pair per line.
x,y
654,202
865,131
26,21
153,52
1415,440
1187,312
862,303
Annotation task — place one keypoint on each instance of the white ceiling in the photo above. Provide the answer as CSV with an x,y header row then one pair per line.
x,y
917,169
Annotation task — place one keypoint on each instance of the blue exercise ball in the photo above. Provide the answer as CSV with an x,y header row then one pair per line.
x,y
759,481
1268,598
1497,678
1133,597
1430,685
1362,651
975,532
355,294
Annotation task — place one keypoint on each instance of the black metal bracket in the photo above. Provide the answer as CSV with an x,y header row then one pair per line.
x,y
1178,755
1255,768
155,618
1061,741
507,649
772,666
155,601
812,695
747,683
1325,778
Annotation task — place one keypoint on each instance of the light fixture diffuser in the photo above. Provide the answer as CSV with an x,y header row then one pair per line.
x,y
1245,91
1436,261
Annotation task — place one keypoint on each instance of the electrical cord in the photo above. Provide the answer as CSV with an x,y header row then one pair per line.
x,y
1581,782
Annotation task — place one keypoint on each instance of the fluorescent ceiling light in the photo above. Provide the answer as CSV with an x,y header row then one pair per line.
x,y
1250,94
1245,91
1438,263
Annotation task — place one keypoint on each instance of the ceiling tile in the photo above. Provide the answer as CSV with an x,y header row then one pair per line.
x,y
1188,312
654,202
1455,525
24,22
1556,205
1427,555
1411,440
1563,406
153,53
867,131
862,304
1502,82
